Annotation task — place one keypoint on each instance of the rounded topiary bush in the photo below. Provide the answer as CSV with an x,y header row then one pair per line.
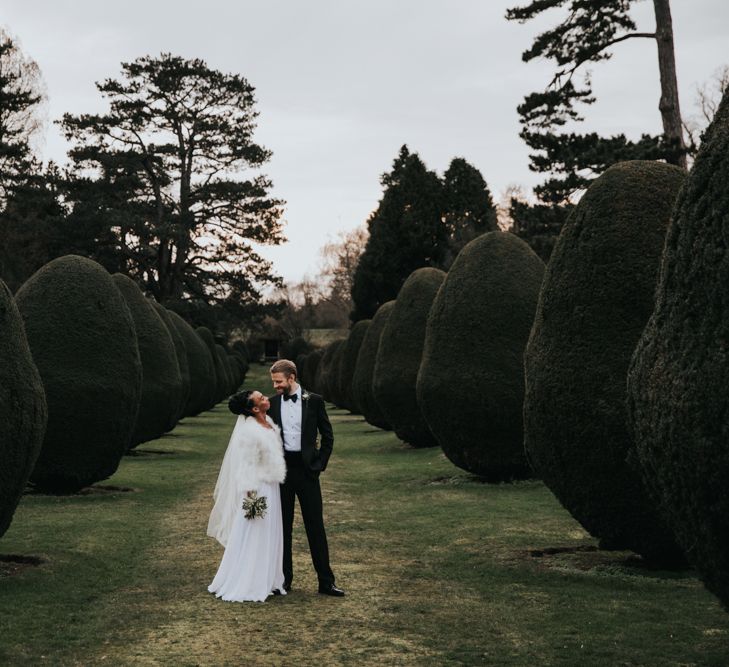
x,y
216,378
83,341
348,363
181,353
227,384
325,374
335,375
399,355
362,393
200,367
477,329
161,379
311,367
300,361
23,411
596,299
678,380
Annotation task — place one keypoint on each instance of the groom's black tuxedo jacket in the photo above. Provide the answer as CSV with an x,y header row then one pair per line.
x,y
315,452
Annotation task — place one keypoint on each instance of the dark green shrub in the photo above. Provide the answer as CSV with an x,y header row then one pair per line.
x,y
238,368
595,301
474,341
83,341
23,410
240,347
362,393
299,361
161,379
181,354
216,378
677,385
310,371
200,366
223,371
348,363
325,373
399,355
291,349
335,375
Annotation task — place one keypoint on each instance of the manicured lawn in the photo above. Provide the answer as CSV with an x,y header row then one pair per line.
x,y
438,569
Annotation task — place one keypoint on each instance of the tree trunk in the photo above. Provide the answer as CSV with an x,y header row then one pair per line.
x,y
669,107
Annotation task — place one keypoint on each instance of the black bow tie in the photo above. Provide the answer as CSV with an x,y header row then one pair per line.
x,y
290,397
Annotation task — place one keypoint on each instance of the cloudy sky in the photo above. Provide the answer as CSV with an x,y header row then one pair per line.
x,y
342,84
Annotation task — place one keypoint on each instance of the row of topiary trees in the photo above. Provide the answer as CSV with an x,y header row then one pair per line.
x,y
89,369
604,375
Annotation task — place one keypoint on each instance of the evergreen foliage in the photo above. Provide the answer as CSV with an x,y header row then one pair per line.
x,y
181,354
362,394
162,382
677,384
421,220
348,364
200,366
325,372
23,410
399,355
156,178
83,340
596,299
585,35
216,378
475,337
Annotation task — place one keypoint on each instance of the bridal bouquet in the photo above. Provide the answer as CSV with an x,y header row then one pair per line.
x,y
254,505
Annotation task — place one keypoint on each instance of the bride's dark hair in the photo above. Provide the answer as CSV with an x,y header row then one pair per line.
x,y
241,403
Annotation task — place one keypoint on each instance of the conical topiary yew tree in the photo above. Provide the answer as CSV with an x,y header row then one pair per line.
x,y
677,385
181,353
362,393
399,356
200,365
83,341
474,342
162,382
325,375
23,411
215,379
348,363
596,299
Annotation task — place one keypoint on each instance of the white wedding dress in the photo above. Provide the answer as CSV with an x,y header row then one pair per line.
x,y
252,565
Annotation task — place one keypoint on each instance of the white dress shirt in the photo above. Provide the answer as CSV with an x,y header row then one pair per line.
x,y
291,421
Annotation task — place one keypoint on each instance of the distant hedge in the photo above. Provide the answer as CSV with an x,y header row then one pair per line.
x,y
83,341
362,392
399,356
200,366
161,379
217,378
182,361
23,410
348,363
474,341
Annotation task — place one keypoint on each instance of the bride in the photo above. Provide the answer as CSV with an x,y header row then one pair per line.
x,y
253,465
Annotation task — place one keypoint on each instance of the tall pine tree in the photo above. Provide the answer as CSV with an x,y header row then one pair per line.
x,y
168,180
406,232
585,35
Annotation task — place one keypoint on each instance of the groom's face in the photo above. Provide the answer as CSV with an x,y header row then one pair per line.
x,y
283,384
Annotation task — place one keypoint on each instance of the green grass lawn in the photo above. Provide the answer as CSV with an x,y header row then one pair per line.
x,y
438,569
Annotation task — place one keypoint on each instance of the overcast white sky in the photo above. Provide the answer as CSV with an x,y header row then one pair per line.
x,y
342,84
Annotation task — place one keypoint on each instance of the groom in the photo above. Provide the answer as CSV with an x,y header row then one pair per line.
x,y
302,416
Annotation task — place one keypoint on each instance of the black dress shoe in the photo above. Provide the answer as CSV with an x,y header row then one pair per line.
x,y
331,589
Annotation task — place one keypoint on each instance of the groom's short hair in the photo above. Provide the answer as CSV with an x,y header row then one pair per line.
x,y
288,368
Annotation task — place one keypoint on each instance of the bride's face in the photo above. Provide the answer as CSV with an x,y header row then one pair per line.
x,y
260,401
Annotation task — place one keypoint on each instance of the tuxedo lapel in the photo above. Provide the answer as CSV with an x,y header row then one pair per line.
x,y
276,405
304,410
